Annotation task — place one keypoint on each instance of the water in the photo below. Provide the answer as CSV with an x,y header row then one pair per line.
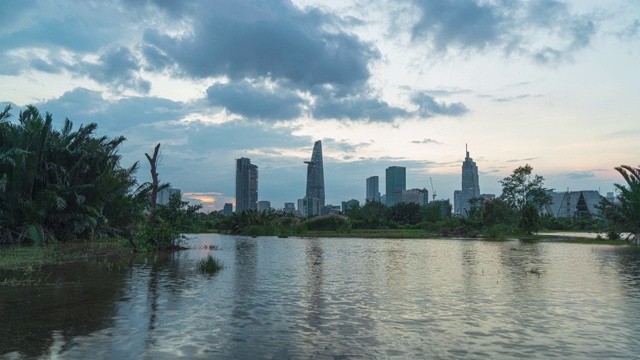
x,y
337,299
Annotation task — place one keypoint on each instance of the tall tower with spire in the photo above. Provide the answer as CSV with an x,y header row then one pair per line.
x,y
470,184
315,175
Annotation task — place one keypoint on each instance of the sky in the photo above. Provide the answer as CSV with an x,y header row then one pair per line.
x,y
553,84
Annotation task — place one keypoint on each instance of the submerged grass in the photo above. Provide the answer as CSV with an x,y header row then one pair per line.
x,y
29,258
209,265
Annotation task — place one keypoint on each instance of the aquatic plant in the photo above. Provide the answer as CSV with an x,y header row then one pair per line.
x,y
209,265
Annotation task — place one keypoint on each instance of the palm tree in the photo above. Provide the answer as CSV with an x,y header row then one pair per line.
x,y
624,212
62,184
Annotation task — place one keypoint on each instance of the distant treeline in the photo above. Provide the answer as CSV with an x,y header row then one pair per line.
x,y
64,185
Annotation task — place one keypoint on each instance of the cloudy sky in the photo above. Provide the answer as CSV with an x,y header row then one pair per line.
x,y
553,84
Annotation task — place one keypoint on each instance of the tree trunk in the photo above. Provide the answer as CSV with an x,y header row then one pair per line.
x,y
153,161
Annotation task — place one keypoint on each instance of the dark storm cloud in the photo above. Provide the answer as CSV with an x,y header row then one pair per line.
x,y
118,68
254,102
84,106
512,27
73,25
275,40
429,107
458,23
356,108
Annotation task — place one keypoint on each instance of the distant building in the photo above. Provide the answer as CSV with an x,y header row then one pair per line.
x,y
383,199
573,204
487,196
246,185
346,205
470,186
396,179
416,196
457,202
264,205
610,197
165,195
310,206
315,175
373,189
227,210
329,209
289,208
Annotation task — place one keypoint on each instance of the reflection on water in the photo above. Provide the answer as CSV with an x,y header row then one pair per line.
x,y
337,298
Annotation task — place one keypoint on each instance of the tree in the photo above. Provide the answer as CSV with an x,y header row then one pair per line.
x,y
623,214
61,185
496,211
524,193
153,162
405,213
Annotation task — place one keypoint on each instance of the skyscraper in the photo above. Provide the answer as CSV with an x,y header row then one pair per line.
x,y
396,181
373,189
315,175
246,185
470,185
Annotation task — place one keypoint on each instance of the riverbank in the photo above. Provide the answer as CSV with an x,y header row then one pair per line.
x,y
20,264
565,237
26,264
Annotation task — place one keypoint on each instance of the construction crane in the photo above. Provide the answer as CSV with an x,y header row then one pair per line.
x,y
433,192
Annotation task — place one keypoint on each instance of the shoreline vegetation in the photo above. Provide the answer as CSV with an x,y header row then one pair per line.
x,y
60,188
20,264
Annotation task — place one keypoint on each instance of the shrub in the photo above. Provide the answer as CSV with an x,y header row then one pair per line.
x,y
327,223
209,265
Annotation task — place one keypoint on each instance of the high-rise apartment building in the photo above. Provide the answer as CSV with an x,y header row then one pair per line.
x,y
315,176
470,185
396,180
373,189
246,185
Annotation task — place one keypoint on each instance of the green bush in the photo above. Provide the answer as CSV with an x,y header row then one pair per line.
x,y
498,231
327,223
209,265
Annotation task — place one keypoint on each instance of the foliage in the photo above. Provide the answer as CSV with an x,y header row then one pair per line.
x,y
372,215
164,228
63,184
498,231
457,226
436,211
405,213
521,188
209,265
529,221
523,193
623,214
496,211
239,222
331,222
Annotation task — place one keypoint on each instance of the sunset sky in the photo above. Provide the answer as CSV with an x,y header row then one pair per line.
x,y
552,84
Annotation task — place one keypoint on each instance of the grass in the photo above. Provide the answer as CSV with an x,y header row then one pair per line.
x,y
33,257
209,265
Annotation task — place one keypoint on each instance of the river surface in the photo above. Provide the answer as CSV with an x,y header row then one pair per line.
x,y
300,298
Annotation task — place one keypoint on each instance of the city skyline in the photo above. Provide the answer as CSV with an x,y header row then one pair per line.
x,y
548,83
